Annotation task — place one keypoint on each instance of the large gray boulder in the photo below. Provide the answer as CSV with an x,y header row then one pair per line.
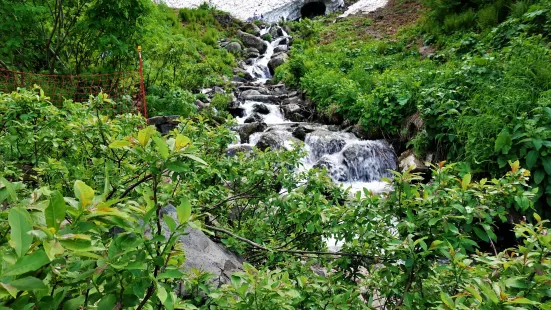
x,y
233,47
281,48
270,140
202,253
261,108
250,40
254,118
276,61
246,130
293,112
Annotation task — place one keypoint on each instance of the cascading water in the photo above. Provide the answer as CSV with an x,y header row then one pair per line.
x,y
355,163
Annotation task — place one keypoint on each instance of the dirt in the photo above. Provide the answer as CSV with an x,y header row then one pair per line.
x,y
381,23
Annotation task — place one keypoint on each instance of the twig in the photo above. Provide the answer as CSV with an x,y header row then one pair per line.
x,y
256,245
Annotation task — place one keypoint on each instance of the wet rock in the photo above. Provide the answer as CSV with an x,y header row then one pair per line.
x,y
261,108
408,160
243,73
367,161
293,112
238,79
260,98
276,61
254,118
246,130
338,172
285,41
276,32
281,48
260,90
250,40
323,142
270,140
250,92
218,90
301,131
233,47
235,149
235,109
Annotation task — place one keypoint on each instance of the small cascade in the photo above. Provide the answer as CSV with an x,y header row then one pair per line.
x,y
267,118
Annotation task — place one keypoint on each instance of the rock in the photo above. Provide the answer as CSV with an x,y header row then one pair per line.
x,y
246,130
250,61
218,90
233,47
250,40
260,90
261,108
249,50
250,92
323,142
368,161
337,172
260,98
276,61
235,109
165,124
202,253
235,149
281,48
200,104
252,29
254,118
285,41
301,131
242,72
408,160
276,32
270,140
238,79
293,112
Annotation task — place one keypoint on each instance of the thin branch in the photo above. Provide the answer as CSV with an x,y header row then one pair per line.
x,y
258,246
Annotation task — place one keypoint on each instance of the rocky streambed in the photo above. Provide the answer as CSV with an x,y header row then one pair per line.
x,y
275,117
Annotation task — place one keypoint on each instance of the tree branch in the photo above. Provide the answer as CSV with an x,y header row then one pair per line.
x,y
258,246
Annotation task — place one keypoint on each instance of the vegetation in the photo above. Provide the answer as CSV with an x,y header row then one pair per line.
x,y
86,190
483,95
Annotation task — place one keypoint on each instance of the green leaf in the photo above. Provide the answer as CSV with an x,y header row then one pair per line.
x,y
9,188
195,158
503,142
53,248
74,303
532,158
28,284
171,274
108,302
517,282
162,294
523,301
547,164
28,263
453,228
466,181
170,223
20,225
184,210
539,175
481,234
84,193
448,301
55,211
119,144
162,148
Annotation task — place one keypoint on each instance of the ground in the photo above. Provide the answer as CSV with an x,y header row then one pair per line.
x,y
383,22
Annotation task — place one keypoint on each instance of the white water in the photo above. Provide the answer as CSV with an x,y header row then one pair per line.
x,y
356,164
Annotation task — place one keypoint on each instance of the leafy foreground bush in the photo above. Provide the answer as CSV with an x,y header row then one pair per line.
x,y
91,235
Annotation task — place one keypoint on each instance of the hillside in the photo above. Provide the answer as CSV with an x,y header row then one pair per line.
x,y
395,158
